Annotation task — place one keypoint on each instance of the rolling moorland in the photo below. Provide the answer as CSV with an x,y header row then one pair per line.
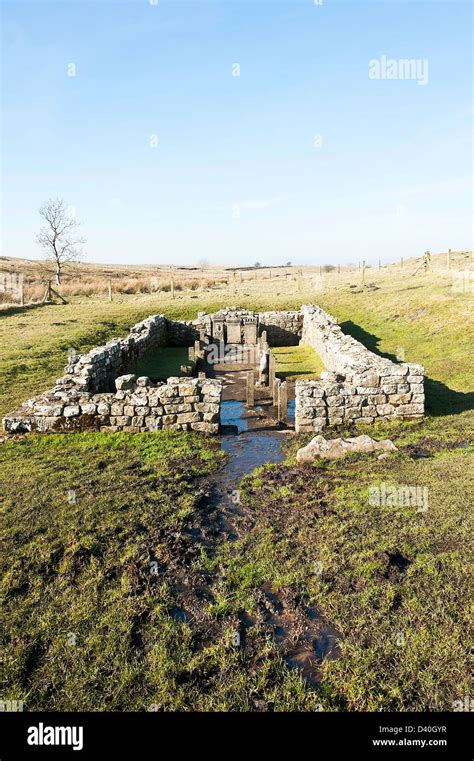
x,y
87,626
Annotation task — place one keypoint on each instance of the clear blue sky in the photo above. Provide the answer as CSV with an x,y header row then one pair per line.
x,y
236,176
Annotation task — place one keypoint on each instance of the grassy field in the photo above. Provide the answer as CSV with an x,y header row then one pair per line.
x,y
162,363
89,625
297,362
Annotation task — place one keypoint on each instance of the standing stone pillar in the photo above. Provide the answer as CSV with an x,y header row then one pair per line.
x,y
197,349
250,388
283,403
276,391
191,353
271,369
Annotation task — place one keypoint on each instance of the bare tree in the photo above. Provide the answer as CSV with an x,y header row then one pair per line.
x,y
58,236
203,263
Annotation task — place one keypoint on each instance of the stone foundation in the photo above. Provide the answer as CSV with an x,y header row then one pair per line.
x,y
98,392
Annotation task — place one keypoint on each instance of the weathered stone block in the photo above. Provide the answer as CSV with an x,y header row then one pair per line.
x,y
71,411
88,409
410,409
211,417
369,411
125,382
188,417
385,409
399,398
403,388
389,388
205,427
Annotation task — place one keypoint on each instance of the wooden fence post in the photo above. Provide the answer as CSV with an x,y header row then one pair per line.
x,y
449,258
172,287
363,271
110,290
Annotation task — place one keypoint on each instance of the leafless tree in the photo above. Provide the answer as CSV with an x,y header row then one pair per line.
x,y
58,237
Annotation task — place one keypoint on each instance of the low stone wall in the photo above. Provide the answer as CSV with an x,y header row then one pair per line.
x,y
182,333
359,386
283,328
97,370
137,405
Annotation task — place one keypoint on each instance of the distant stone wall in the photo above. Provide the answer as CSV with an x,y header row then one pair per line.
x,y
283,328
359,386
137,405
182,333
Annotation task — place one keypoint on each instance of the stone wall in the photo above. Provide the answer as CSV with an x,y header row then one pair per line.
x,y
359,386
94,392
97,370
137,405
182,333
283,328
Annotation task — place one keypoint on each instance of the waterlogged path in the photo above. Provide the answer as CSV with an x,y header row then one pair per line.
x,y
303,637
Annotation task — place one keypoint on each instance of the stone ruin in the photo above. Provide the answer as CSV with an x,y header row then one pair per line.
x,y
98,391
358,385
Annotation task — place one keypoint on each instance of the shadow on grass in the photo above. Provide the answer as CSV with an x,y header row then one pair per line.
x,y
440,399
17,309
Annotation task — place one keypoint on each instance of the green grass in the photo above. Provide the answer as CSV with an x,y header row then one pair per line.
x,y
297,362
162,363
86,624
322,514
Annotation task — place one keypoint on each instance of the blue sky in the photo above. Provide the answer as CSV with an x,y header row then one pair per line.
x,y
166,157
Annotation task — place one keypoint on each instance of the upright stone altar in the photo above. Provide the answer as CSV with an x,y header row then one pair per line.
x,y
217,326
250,330
234,330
